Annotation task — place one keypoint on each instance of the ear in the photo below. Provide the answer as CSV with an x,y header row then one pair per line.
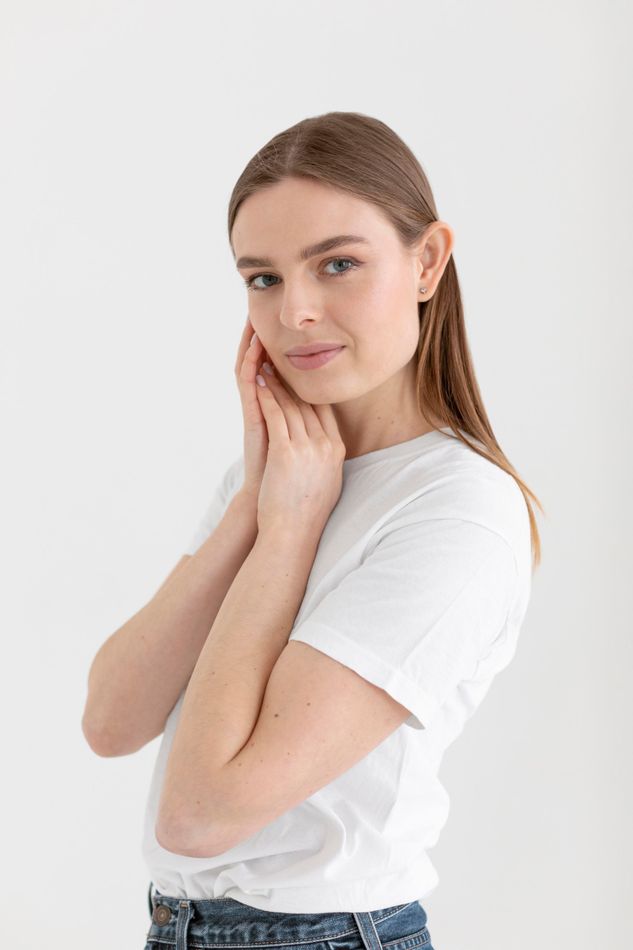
x,y
431,254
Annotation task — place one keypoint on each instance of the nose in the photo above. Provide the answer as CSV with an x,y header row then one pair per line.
x,y
298,308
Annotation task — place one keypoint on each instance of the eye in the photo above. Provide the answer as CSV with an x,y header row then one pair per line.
x,y
334,260
344,260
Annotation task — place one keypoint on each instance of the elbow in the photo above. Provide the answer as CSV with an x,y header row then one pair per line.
x,y
172,838
184,838
100,742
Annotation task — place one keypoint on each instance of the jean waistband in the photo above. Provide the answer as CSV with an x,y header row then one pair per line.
x,y
228,922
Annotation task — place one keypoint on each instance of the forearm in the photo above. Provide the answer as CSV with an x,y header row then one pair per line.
x,y
137,675
225,692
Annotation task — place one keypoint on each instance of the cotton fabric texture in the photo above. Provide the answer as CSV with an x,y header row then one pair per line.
x,y
420,584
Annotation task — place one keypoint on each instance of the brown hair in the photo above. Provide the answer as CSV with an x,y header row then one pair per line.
x,y
364,156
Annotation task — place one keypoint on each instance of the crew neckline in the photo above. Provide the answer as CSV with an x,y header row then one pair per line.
x,y
398,450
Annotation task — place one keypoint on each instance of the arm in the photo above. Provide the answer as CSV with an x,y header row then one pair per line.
x,y
141,669
300,486
224,695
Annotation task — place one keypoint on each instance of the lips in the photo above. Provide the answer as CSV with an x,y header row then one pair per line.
x,y
310,348
315,360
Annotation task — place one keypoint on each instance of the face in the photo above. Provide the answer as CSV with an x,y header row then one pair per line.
x,y
361,295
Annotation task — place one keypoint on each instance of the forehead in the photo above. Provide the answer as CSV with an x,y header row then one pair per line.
x,y
289,215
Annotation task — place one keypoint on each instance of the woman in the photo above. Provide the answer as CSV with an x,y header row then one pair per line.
x,y
363,569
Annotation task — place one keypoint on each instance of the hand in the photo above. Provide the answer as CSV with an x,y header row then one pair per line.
x,y
247,365
303,476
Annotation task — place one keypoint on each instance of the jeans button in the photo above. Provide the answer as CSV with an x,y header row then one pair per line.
x,y
161,915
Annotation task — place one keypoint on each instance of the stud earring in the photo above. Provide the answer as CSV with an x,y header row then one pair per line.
x,y
422,290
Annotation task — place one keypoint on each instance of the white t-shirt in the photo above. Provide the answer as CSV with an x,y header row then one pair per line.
x,y
420,584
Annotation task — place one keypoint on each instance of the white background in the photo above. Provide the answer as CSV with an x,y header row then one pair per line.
x,y
125,126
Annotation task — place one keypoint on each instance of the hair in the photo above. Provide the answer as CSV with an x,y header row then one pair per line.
x,y
363,156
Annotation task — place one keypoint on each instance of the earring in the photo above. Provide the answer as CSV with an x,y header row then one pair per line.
x,y
422,290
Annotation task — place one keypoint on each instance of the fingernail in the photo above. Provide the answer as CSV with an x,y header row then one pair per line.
x,y
267,367
260,380
253,338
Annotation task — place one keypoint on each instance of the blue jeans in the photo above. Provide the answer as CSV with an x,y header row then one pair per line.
x,y
223,922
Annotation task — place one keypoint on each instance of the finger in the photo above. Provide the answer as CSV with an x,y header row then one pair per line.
x,y
249,353
252,358
245,342
278,433
311,420
327,420
251,365
295,422
241,350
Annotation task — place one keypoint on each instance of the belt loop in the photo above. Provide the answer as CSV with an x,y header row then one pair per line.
x,y
185,913
367,928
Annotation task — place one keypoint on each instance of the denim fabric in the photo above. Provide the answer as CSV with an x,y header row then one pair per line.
x,y
179,924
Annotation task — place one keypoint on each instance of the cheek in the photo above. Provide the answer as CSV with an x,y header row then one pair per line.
x,y
380,353
387,323
386,292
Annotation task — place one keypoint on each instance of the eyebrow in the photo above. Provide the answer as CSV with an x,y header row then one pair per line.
x,y
307,252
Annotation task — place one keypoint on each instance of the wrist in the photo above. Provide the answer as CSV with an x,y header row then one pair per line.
x,y
243,507
288,535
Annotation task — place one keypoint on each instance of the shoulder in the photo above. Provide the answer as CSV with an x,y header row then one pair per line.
x,y
468,487
477,488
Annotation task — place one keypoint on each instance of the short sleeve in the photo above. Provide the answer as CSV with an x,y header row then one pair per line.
x,y
419,612
224,491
